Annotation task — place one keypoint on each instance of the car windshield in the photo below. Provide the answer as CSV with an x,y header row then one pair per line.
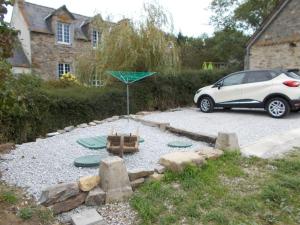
x,y
293,74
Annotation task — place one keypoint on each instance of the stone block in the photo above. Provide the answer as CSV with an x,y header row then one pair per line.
x,y
227,141
114,179
61,131
52,134
139,173
83,125
163,126
69,204
88,217
88,183
95,197
156,177
177,161
69,129
136,183
159,169
58,193
98,121
210,153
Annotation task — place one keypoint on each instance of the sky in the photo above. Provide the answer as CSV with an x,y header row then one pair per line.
x,y
191,17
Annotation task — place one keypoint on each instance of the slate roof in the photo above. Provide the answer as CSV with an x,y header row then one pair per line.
x,y
36,17
19,58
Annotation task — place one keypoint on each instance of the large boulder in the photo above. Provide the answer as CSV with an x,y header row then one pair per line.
x,y
58,193
177,161
95,197
69,204
88,183
139,173
114,179
227,141
88,217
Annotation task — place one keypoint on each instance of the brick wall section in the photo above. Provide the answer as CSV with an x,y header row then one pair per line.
x,y
273,49
47,54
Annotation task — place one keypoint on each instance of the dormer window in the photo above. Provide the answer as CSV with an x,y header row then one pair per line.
x,y
63,33
95,38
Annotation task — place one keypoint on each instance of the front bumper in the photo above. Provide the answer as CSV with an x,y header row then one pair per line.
x,y
295,104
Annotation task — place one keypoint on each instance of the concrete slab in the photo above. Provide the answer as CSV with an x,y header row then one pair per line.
x,y
88,217
273,146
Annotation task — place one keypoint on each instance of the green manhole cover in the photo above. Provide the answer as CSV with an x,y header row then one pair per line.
x,y
96,143
88,161
142,140
179,144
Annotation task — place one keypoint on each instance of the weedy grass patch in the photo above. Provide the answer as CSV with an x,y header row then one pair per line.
x,y
232,190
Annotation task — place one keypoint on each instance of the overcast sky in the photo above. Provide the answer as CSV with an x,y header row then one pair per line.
x,y
191,17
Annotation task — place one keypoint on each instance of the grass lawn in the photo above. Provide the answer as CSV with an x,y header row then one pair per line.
x,y
17,209
231,190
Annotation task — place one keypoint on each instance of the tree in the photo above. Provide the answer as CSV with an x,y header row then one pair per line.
x,y
228,45
7,40
241,14
142,46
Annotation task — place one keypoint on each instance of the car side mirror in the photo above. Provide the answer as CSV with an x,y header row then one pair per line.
x,y
218,85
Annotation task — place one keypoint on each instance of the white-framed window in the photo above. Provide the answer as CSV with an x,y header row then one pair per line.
x,y
63,33
96,36
63,68
95,81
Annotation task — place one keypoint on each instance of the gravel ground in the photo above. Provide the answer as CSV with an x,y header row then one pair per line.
x,y
46,162
249,125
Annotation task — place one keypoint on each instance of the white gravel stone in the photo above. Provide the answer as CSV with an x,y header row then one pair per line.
x,y
249,125
46,162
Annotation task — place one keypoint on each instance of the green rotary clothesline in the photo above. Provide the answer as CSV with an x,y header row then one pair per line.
x,y
129,77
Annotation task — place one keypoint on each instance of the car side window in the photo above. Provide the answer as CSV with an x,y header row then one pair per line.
x,y
234,79
258,76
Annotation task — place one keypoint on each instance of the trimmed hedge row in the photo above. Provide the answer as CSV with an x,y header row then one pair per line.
x,y
31,109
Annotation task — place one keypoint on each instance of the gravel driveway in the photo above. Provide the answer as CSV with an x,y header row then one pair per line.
x,y
46,162
249,125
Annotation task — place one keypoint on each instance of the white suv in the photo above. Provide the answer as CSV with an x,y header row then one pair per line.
x,y
277,91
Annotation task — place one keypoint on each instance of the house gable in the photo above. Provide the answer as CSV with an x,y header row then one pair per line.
x,y
277,43
276,15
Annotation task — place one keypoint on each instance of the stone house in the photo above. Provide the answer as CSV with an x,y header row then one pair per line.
x,y
276,44
50,39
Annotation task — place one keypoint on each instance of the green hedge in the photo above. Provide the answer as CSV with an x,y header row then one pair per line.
x,y
29,108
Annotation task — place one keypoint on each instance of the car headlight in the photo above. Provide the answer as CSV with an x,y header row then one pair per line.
x,y
198,91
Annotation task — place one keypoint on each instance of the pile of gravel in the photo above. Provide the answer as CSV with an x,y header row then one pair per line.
x,y
49,161
249,125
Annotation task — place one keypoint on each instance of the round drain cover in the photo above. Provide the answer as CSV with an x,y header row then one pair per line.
x,y
88,161
179,144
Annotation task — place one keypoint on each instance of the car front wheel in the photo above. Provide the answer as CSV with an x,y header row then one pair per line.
x,y
278,107
206,105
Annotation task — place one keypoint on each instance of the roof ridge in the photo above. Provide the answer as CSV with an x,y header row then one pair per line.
x,y
77,14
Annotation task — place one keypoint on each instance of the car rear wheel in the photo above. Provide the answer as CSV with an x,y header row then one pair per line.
x,y
278,107
206,105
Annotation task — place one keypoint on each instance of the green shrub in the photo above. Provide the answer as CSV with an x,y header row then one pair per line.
x,y
9,197
26,213
30,108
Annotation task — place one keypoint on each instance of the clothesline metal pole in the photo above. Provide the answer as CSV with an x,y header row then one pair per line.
x,y
128,100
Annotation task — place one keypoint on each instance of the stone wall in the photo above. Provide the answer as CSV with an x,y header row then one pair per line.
x,y
47,54
279,45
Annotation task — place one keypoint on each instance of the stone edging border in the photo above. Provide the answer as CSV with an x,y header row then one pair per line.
x,y
210,139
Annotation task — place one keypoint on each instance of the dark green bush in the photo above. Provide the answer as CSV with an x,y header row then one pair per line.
x,y
30,108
